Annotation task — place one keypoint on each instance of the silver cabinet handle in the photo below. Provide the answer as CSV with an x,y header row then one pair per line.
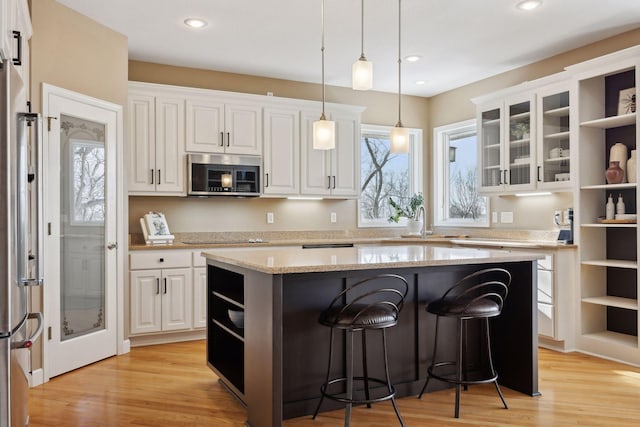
x,y
221,139
113,245
152,175
328,182
158,176
157,286
165,285
228,138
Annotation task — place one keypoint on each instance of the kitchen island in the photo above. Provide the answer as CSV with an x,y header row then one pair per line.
x,y
265,344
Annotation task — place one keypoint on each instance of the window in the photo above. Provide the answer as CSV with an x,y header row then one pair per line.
x,y
385,175
455,162
88,169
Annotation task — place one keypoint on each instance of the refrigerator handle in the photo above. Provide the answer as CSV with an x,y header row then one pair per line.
x,y
23,179
34,336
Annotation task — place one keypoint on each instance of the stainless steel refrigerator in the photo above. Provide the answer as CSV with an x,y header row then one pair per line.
x,y
20,243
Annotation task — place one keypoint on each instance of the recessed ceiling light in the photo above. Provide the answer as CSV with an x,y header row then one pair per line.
x,y
420,82
528,4
412,58
195,22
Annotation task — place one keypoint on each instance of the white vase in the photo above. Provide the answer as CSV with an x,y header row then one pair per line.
x,y
618,153
631,167
413,226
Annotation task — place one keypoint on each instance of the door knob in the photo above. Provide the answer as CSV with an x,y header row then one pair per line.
x,y
112,246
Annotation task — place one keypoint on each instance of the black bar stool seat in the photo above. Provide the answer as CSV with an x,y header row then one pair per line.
x,y
479,295
370,308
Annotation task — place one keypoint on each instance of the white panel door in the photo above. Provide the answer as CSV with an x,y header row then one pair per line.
x,y
243,129
146,301
204,126
177,299
80,190
170,159
200,297
345,164
281,151
315,168
141,161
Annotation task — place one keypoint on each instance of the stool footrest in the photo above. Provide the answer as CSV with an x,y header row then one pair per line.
x,y
451,379
337,396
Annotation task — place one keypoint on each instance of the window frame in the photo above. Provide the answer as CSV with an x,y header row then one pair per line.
x,y
416,176
442,135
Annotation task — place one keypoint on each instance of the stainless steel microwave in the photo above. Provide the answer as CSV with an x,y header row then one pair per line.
x,y
223,175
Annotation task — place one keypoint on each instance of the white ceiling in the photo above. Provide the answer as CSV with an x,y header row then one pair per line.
x,y
460,41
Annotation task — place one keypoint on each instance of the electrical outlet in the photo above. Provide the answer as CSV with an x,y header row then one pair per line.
x,y
269,217
506,217
494,217
334,218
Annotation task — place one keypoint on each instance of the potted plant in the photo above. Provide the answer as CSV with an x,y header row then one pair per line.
x,y
409,211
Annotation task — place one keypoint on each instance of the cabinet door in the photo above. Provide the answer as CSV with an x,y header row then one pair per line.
x,y
518,151
204,126
142,143
170,160
146,301
554,162
281,151
491,174
177,299
5,32
345,159
200,297
315,173
243,128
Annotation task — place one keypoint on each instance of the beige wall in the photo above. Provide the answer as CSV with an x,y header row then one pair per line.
x,y
71,51
224,214
74,52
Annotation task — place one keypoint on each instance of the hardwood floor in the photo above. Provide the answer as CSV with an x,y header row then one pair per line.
x,y
170,385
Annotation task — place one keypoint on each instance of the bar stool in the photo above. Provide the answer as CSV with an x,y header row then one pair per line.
x,y
361,307
479,295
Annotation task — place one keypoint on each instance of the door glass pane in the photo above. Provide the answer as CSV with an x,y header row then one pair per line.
x,y
491,148
520,143
82,217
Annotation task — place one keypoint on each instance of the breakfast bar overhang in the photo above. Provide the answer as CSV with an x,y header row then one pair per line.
x,y
276,360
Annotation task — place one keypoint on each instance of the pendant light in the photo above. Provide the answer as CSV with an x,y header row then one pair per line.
x,y
324,131
399,134
362,70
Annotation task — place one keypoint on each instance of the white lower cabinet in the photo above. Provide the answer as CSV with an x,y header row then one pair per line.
x,y
161,298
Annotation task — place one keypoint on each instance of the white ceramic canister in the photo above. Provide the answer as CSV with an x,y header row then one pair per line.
x,y
631,167
618,153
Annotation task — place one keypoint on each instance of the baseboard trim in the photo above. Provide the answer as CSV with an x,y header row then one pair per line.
x,y
166,338
36,378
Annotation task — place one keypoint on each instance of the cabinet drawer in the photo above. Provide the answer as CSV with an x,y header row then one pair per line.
x,y
159,259
198,259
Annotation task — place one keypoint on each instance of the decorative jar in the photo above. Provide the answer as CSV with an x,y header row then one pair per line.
x,y
618,153
631,167
614,174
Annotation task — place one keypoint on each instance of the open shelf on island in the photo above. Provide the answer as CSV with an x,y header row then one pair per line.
x,y
618,263
614,338
611,301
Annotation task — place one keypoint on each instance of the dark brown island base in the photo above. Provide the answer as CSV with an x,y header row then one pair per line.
x,y
266,345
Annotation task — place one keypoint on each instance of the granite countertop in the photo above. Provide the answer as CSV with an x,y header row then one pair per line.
x,y
283,260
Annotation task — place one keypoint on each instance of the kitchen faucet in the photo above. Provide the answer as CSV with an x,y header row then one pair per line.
x,y
422,216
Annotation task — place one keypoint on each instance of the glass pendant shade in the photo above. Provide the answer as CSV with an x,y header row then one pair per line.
x,y
324,134
227,180
399,140
362,75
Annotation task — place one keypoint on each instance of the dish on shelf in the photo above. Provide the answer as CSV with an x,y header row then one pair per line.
x,y
237,318
626,216
522,160
602,220
562,176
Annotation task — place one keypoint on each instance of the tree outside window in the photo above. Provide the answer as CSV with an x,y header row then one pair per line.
x,y
385,175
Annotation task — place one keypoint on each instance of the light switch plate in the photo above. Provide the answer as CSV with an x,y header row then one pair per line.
x,y
494,217
269,217
334,218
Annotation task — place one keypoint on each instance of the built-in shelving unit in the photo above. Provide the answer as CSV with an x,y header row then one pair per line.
x,y
225,339
608,271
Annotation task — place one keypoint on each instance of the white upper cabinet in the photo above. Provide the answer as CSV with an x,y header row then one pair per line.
x,y
524,139
156,144
216,126
281,174
333,172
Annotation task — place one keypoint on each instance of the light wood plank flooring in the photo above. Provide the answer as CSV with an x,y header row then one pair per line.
x,y
170,385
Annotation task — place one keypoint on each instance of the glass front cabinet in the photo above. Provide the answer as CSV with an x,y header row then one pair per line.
x,y
524,141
